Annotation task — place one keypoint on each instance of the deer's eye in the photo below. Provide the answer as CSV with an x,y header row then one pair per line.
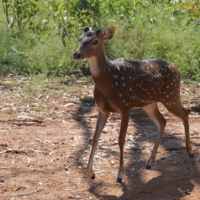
x,y
94,42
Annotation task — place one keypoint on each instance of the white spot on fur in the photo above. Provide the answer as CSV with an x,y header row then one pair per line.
x,y
115,76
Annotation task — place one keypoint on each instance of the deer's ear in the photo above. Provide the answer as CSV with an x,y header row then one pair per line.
x,y
86,29
109,33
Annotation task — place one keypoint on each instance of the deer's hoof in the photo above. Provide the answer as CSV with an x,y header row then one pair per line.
x,y
93,177
191,155
148,167
119,180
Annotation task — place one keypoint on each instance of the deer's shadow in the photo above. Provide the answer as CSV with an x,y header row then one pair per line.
x,y
176,171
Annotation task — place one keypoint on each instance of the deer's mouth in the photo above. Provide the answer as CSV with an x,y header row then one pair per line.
x,y
78,56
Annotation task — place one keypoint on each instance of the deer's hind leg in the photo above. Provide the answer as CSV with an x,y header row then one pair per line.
x,y
182,113
122,136
155,115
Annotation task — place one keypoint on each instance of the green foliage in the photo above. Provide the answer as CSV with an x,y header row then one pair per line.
x,y
20,12
40,36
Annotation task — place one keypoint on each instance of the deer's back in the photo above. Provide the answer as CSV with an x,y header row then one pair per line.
x,y
139,83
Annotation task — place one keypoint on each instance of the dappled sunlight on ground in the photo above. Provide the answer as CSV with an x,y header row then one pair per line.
x,y
45,143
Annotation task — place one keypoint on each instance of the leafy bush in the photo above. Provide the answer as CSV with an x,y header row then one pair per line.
x,y
41,36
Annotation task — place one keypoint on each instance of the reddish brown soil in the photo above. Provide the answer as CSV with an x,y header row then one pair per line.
x,y
43,155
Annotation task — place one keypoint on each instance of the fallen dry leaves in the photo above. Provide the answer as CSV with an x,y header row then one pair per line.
x,y
45,139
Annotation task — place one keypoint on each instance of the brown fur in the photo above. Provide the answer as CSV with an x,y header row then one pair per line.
x,y
121,85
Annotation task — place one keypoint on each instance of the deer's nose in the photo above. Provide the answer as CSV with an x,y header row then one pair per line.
x,y
78,56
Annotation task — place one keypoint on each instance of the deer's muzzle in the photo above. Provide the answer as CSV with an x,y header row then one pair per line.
x,y
78,56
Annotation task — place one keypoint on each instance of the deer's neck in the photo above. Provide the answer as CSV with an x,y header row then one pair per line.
x,y
99,69
98,65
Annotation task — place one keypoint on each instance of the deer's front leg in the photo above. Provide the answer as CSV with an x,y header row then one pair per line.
x,y
122,135
101,121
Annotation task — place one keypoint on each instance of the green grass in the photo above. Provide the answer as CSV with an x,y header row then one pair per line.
x,y
190,81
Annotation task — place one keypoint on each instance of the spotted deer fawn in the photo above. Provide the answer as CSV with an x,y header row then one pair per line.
x,y
121,85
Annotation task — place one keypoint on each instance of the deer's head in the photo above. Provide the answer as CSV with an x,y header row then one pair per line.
x,y
90,42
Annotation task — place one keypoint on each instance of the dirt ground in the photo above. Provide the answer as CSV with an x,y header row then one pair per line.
x,y
45,144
